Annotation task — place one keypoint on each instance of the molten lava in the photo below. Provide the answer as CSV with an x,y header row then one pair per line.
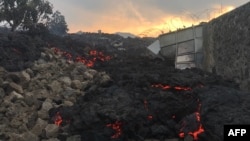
x,y
58,119
94,56
150,117
194,133
200,127
167,87
117,127
197,114
99,55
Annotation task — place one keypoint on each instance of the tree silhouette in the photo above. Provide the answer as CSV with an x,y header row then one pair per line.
x,y
13,12
25,13
57,25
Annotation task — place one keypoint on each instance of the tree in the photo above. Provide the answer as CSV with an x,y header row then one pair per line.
x,y
37,11
57,25
25,13
13,12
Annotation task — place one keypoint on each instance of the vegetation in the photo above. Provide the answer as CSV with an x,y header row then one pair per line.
x,y
32,16
13,12
57,24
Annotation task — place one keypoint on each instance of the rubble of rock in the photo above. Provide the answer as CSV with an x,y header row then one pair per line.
x,y
28,95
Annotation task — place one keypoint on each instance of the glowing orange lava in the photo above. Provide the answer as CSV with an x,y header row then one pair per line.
x,y
197,114
117,127
167,87
94,56
58,119
200,128
195,133
150,117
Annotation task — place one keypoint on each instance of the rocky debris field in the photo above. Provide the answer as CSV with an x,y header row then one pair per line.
x,y
18,51
26,96
59,97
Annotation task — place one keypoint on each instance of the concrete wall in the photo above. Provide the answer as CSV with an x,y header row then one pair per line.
x,y
184,46
168,45
227,46
189,48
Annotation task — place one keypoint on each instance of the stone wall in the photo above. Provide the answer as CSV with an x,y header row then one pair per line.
x,y
227,46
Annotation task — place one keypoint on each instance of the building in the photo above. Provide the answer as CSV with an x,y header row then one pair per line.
x,y
184,46
220,46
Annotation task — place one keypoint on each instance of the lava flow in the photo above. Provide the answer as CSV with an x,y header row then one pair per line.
x,y
167,87
94,56
58,119
117,127
198,131
145,102
200,128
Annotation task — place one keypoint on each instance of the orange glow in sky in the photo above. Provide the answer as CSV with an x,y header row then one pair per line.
x,y
142,27
141,18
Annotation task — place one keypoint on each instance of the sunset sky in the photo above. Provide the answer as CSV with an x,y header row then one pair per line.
x,y
140,17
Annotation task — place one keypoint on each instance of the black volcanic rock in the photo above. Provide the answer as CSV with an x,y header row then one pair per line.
x,y
223,106
147,111
129,97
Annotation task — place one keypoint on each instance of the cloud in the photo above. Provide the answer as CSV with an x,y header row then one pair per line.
x,y
139,16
